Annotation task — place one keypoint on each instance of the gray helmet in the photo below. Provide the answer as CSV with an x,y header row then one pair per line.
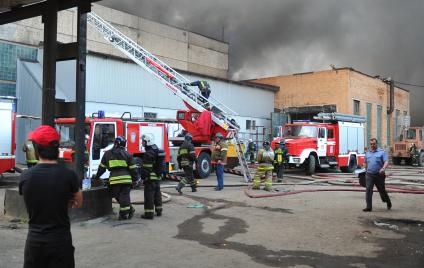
x,y
219,135
188,137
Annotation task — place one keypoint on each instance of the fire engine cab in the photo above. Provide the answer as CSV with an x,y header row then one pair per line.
x,y
101,132
336,142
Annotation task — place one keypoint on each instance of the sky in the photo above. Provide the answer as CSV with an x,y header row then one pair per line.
x,y
280,37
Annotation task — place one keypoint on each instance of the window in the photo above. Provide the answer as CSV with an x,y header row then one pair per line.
x,y
356,107
421,135
411,134
321,133
250,124
300,131
104,135
330,133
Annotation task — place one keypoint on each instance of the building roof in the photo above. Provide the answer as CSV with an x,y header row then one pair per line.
x,y
241,83
335,69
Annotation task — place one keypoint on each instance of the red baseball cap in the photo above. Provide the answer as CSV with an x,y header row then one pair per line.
x,y
45,135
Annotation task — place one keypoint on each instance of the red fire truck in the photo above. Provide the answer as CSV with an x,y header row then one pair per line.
x,y
337,142
7,135
101,133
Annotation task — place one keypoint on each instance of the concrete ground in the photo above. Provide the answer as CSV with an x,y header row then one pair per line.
x,y
316,229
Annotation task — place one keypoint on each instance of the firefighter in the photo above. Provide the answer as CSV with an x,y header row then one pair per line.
x,y
31,158
413,152
151,179
186,158
265,160
280,155
123,173
250,152
203,86
219,159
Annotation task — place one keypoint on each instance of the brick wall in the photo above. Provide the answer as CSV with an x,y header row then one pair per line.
x,y
340,87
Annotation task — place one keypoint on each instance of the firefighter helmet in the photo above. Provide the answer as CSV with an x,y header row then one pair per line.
x,y
188,137
148,139
219,136
120,141
266,144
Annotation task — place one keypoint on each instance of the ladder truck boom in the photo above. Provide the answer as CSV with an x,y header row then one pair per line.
x,y
177,83
164,73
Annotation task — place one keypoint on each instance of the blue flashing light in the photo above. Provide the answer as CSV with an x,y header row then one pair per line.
x,y
101,114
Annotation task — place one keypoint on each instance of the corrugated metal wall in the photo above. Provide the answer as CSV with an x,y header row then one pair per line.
x,y
116,87
116,82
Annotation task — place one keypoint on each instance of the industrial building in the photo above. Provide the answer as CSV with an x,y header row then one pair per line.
x,y
342,90
116,86
114,83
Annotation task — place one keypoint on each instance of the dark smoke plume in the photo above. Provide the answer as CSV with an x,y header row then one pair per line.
x,y
277,37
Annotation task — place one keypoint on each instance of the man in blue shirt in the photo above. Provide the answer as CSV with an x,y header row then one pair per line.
x,y
376,162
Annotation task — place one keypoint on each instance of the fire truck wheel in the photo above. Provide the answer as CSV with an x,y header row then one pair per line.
x,y
310,165
421,160
204,166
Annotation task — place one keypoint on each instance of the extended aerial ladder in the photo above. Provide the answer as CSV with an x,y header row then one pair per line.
x,y
178,84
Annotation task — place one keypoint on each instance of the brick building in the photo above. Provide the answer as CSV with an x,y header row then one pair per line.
x,y
342,90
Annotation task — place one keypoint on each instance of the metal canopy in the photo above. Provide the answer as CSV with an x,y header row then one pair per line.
x,y
16,10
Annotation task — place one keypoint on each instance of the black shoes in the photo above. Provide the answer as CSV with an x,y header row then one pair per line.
x,y
158,213
193,189
389,205
367,209
217,189
147,217
131,214
178,189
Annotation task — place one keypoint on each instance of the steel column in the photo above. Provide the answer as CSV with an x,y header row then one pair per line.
x,y
49,62
80,90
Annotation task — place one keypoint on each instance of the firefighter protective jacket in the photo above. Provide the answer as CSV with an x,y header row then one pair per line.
x,y
150,158
29,150
219,152
280,155
121,166
186,154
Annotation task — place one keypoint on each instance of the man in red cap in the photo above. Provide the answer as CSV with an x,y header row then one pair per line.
x,y
49,188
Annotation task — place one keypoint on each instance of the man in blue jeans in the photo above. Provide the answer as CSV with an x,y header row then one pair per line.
x,y
219,158
376,162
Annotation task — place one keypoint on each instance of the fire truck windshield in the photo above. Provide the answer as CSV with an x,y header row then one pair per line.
x,y
411,134
300,131
67,134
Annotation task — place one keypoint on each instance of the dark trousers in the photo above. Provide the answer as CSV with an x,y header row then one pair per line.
x,y
280,171
379,181
189,176
152,197
49,254
121,192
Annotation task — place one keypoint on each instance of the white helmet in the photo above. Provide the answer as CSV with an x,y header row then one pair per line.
x,y
148,139
250,140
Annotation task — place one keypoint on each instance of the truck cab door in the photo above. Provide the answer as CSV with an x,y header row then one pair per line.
x,y
322,141
103,137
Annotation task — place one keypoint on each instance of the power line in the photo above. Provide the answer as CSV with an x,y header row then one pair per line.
x,y
407,84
